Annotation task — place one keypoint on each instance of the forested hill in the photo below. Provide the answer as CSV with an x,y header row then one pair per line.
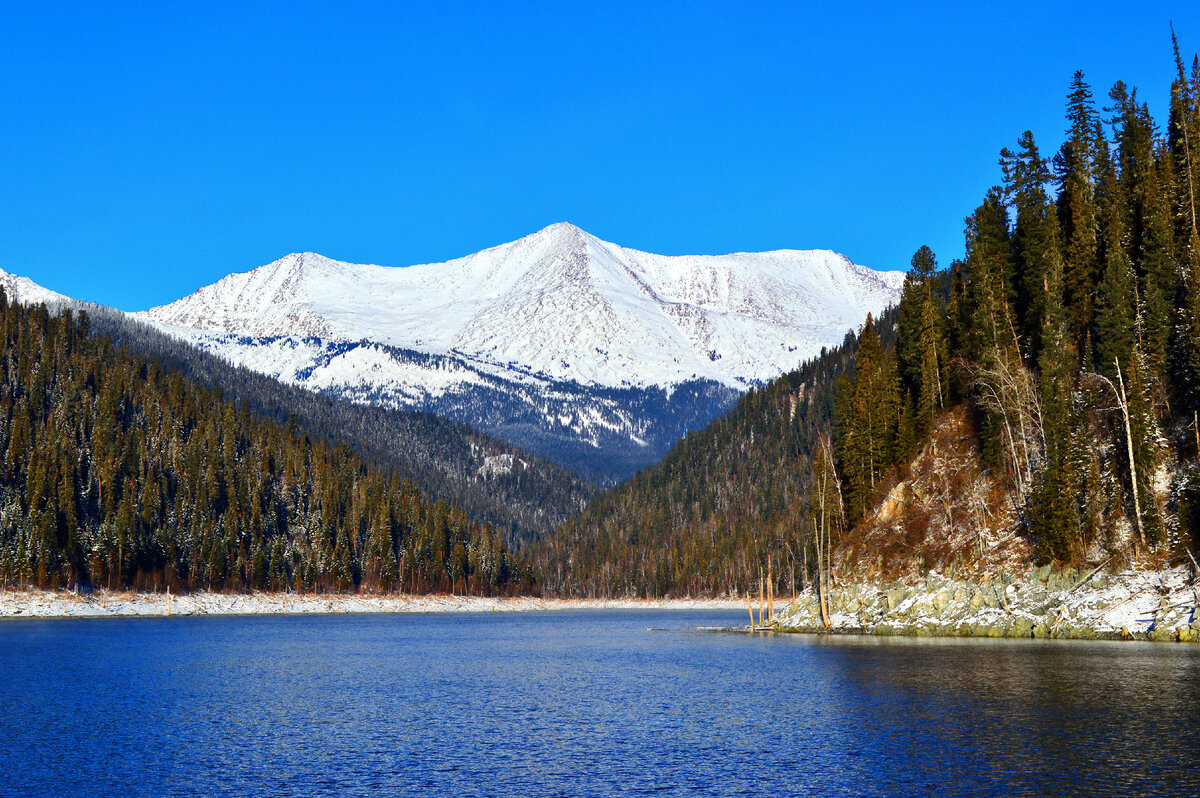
x,y
116,472
719,505
1059,361
521,494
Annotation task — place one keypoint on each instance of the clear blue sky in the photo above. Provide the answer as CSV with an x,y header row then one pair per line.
x,y
151,148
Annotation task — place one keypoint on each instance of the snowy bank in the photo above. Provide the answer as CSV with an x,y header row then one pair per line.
x,y
1135,604
104,603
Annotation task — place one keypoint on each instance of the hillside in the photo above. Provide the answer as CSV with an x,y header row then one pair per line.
x,y
116,473
720,504
1035,403
521,494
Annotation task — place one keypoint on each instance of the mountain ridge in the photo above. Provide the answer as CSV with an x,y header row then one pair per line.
x,y
492,480
595,356
563,303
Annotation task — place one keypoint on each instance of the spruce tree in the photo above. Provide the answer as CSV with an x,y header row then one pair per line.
x,y
1035,238
920,351
1150,239
868,431
990,291
1077,167
1118,317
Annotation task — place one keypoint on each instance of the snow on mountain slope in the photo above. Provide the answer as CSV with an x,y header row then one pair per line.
x,y
27,292
560,304
603,434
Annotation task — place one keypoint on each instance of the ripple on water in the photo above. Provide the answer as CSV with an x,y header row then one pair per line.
x,y
579,703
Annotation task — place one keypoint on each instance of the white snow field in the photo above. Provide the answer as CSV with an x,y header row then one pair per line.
x,y
560,303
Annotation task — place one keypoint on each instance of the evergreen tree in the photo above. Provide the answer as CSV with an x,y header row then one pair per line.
x,y
989,279
867,432
920,350
1183,138
1118,318
1148,221
1035,239
1078,169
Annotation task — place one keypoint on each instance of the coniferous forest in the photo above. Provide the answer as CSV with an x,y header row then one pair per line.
x,y
115,473
723,501
1069,333
519,493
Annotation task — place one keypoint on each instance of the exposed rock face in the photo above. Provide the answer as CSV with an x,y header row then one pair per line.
x,y
1141,605
948,512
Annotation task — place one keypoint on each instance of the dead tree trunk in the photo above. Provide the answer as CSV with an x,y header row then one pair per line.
x,y
1133,476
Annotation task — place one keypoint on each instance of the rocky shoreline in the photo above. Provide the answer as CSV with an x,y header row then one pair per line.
x,y
1156,605
104,603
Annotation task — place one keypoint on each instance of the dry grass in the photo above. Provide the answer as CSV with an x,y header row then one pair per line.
x,y
945,512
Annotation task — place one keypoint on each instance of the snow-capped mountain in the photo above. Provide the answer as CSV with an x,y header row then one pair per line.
x,y
560,304
27,292
596,356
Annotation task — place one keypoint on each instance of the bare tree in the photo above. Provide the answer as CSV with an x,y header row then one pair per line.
x,y
1006,388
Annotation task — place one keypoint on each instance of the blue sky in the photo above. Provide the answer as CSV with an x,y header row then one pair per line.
x,y
149,149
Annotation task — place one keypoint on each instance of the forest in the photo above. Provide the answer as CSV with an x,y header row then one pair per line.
x,y
1069,333
118,473
445,459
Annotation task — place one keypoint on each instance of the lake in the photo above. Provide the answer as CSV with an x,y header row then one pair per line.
x,y
580,703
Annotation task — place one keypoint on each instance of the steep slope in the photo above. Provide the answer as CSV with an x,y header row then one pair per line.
x,y
28,292
563,304
602,434
724,500
565,344
492,480
1041,402
117,473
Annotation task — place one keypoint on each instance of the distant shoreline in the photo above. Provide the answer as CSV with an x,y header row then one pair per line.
x,y
112,604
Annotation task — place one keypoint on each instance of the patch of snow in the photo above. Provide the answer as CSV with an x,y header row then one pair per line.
x,y
104,603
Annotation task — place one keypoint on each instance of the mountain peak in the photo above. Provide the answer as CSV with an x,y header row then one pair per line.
x,y
297,262
27,292
562,304
557,235
560,229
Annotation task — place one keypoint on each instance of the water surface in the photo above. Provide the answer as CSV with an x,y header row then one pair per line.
x,y
580,703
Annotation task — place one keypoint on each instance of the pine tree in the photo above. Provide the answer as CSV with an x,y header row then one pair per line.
x,y
920,350
1054,504
1183,138
1118,318
990,286
1150,239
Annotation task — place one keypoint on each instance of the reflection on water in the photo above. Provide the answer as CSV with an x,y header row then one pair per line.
x,y
582,703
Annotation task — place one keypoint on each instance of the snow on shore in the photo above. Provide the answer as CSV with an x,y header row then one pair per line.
x,y
1134,604
104,603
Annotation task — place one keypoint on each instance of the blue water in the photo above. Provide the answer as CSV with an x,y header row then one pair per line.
x,y
580,703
